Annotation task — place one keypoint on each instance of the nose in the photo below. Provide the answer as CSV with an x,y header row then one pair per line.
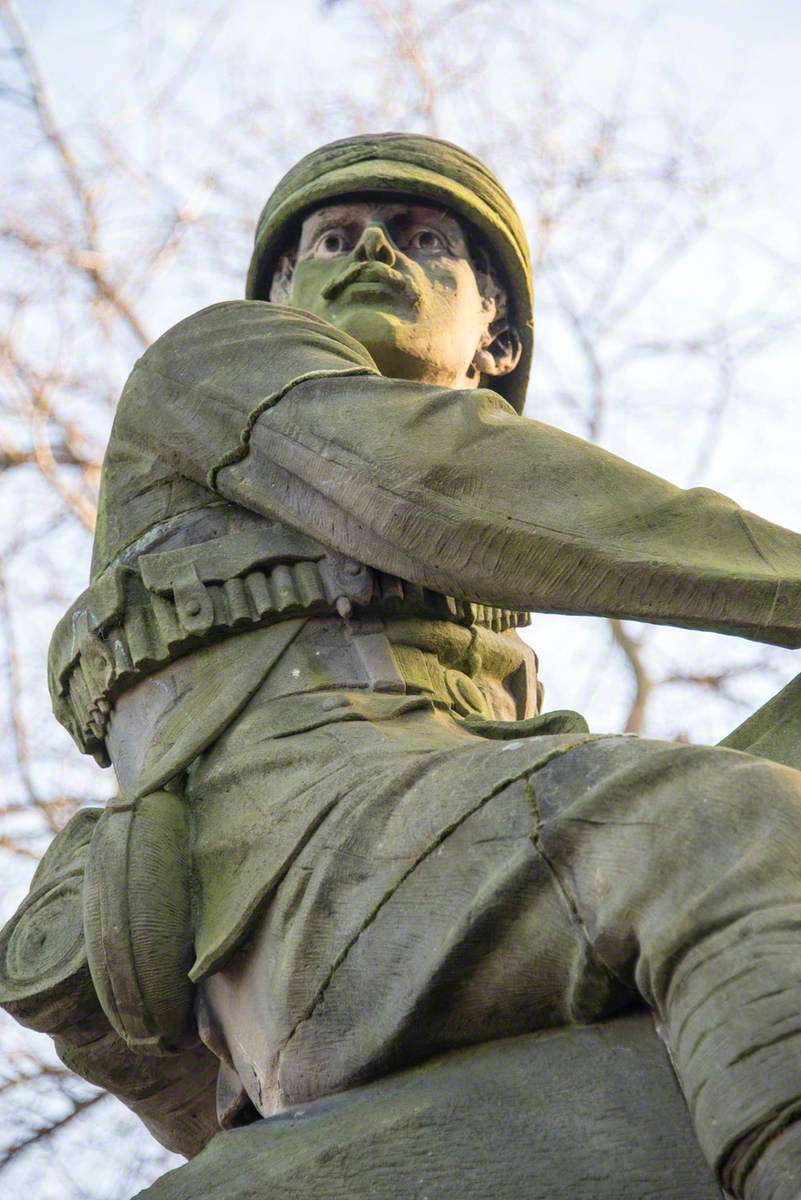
x,y
374,245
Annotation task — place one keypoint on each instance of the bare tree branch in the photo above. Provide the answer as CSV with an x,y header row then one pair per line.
x,y
644,685
91,259
79,1107
16,690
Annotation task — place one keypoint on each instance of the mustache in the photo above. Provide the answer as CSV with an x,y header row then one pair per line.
x,y
376,273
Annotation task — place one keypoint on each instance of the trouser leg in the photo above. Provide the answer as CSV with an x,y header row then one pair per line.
x,y
683,866
472,940
619,870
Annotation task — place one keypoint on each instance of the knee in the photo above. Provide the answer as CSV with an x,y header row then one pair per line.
x,y
750,803
655,802
732,862
714,803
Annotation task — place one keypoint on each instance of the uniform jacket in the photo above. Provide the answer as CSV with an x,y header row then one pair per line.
x,y
269,436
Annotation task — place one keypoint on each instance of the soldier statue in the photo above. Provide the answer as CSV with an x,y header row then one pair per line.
x,y
347,839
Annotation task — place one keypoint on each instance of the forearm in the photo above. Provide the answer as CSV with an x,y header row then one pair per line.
x,y
456,492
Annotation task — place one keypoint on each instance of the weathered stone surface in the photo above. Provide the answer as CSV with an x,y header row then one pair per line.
x,y
588,1113
347,841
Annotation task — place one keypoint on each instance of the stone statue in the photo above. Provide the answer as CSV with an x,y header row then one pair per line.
x,y
347,839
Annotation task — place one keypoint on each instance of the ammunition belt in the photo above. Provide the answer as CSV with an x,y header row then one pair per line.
x,y
138,618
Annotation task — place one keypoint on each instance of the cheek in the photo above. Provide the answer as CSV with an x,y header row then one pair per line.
x,y
455,288
457,305
308,282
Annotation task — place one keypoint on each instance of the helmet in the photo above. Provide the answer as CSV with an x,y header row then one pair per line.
x,y
409,165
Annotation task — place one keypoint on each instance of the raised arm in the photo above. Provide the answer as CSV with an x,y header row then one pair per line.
x,y
280,412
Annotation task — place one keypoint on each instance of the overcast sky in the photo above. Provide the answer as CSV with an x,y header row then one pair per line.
x,y
742,55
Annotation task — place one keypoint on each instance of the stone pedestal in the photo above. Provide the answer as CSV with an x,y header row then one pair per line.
x,y
589,1113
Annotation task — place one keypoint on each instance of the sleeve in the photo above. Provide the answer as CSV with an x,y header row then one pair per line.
x,y
278,411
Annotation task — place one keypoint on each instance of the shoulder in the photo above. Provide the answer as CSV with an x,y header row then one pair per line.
x,y
254,334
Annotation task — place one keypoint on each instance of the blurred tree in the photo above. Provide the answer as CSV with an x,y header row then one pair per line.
x,y
139,161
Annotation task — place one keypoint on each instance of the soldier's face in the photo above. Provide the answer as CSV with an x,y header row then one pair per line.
x,y
397,277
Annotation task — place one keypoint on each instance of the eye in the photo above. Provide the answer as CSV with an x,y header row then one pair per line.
x,y
428,241
332,243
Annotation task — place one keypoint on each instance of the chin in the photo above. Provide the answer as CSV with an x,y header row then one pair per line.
x,y
401,349
381,333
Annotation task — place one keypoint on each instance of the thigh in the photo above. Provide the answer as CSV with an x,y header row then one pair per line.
x,y
658,845
413,921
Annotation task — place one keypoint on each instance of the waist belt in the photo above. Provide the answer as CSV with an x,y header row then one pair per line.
x,y
363,658
135,619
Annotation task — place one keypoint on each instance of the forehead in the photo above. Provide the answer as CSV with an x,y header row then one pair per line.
x,y
366,209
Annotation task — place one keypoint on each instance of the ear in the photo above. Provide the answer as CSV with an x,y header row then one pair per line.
x,y
281,286
501,353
